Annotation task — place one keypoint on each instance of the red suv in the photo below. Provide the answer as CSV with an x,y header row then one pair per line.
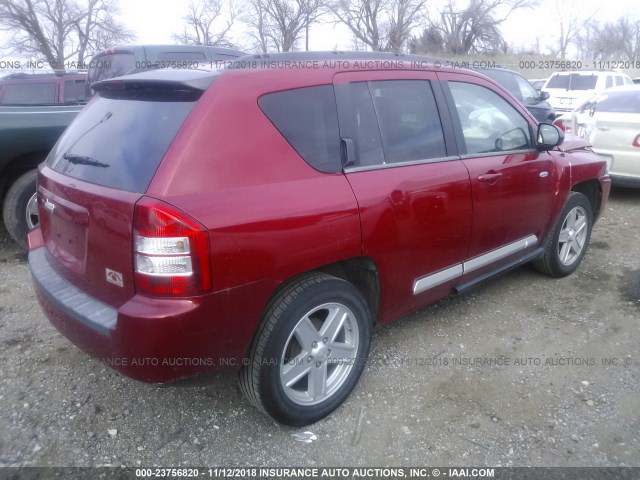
x,y
267,217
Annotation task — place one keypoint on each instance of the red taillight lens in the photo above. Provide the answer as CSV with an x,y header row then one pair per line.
x,y
171,251
560,124
636,142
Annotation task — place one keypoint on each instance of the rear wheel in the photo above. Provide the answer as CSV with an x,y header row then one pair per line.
x,y
569,241
309,350
20,208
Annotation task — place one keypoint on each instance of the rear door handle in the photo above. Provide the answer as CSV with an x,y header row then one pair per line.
x,y
490,177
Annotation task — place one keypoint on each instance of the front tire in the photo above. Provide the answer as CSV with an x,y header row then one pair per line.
x,y
569,241
20,208
309,350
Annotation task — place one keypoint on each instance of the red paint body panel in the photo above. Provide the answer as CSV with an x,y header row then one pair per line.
x,y
269,217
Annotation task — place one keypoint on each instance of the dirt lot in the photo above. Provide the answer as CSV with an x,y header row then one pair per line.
x,y
524,371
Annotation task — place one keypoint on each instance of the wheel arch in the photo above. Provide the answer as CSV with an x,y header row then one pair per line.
x,y
593,191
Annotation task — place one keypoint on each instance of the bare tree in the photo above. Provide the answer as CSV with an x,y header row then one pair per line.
x,y
618,40
474,28
572,20
278,24
208,22
382,25
60,30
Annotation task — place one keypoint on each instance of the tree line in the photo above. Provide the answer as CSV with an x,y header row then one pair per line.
x,y
73,30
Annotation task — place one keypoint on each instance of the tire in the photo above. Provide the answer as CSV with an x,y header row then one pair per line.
x,y
20,208
569,240
298,372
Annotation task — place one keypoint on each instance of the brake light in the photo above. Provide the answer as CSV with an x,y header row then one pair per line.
x,y
560,124
636,142
171,251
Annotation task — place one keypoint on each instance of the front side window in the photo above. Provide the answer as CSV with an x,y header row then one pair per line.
x,y
489,123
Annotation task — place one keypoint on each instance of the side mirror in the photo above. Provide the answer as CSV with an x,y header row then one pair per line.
x,y
544,95
549,136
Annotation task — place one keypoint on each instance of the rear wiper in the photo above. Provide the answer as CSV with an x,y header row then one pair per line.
x,y
84,160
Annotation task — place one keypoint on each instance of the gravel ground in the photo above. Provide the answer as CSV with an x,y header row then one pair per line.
x,y
565,391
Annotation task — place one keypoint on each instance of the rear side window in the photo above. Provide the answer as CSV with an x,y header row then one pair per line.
x,y
409,120
619,81
307,118
29,93
119,141
75,91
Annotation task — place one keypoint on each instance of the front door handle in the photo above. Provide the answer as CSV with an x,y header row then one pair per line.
x,y
490,177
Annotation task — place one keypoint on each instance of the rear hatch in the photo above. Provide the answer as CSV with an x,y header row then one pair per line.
x,y
99,170
568,90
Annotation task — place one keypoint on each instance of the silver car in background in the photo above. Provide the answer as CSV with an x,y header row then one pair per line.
x,y
610,121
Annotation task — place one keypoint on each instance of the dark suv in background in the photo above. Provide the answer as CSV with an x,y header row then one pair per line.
x,y
267,218
519,87
127,59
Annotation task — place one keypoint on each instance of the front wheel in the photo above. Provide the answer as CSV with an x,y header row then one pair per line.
x,y
309,351
569,241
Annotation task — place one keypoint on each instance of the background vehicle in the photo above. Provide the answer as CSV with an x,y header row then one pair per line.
x,y
34,110
537,83
610,121
567,90
127,59
268,218
520,88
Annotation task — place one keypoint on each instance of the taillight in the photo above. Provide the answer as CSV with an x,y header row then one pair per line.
x,y
636,142
171,251
560,124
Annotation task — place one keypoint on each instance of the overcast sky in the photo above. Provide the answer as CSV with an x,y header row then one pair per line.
x,y
154,21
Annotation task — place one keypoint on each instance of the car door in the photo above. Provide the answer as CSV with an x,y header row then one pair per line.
x,y
412,189
513,185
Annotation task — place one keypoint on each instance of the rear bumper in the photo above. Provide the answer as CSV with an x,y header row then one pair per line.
x,y
152,339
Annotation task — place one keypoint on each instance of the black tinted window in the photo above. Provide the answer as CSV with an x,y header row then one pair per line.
x,y
29,93
308,119
367,131
118,142
409,120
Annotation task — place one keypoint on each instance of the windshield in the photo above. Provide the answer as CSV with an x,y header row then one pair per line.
x,y
119,142
517,85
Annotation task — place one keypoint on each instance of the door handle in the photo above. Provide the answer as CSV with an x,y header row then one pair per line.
x,y
490,177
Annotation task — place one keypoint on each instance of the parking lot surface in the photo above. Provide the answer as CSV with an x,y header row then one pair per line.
x,y
523,371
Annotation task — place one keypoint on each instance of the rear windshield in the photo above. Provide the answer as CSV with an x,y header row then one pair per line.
x,y
119,141
110,66
574,81
618,102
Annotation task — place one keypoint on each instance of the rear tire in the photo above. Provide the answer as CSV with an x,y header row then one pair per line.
x,y
569,240
309,350
20,208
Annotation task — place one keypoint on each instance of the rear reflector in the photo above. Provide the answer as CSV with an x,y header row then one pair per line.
x,y
636,142
171,251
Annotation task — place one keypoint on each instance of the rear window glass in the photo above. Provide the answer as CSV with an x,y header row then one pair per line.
x,y
573,81
308,119
110,66
618,102
29,93
119,142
